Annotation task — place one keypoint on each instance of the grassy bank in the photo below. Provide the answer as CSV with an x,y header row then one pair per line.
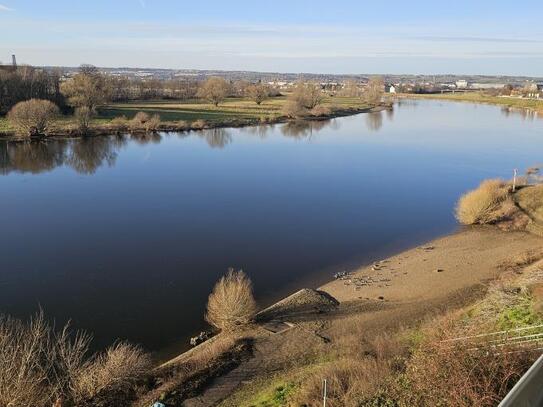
x,y
480,97
195,114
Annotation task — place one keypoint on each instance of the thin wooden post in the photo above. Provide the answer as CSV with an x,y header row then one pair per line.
x,y
515,179
324,394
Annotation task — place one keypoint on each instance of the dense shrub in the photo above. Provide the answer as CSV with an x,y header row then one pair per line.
x,y
293,110
144,122
481,205
199,124
111,376
32,117
441,374
231,304
307,95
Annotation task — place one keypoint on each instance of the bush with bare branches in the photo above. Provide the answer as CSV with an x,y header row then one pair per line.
x,y
258,93
40,366
231,305
144,122
32,117
293,110
444,374
111,375
481,205
307,95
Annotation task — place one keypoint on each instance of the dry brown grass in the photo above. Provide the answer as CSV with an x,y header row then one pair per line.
x,y
481,206
441,374
40,366
231,305
521,260
120,123
348,382
358,375
112,375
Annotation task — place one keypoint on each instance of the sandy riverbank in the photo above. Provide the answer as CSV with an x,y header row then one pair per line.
x,y
399,291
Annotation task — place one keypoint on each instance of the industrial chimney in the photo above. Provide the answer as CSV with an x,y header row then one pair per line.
x,y
14,61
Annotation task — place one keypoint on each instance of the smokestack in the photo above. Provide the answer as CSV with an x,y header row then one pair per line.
x,y
13,60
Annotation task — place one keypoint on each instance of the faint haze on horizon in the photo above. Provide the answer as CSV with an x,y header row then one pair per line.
x,y
341,37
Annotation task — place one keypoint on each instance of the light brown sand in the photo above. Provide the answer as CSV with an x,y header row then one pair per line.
x,y
463,259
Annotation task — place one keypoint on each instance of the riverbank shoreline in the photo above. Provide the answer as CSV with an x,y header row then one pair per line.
x,y
381,298
71,132
532,105
449,264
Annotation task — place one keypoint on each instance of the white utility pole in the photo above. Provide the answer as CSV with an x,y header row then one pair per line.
x,y
324,394
515,171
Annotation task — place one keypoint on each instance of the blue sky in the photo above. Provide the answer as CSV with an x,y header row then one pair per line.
x,y
462,37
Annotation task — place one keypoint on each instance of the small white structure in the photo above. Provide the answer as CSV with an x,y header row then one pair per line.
x,y
462,84
392,89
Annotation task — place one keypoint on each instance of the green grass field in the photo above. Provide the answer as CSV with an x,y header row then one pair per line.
x,y
478,97
232,108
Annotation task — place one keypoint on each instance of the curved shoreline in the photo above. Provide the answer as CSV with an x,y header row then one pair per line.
x,y
172,127
424,274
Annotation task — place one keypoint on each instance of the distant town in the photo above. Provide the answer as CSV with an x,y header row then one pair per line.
x,y
530,87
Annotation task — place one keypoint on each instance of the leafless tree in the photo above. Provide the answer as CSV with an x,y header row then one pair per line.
x,y
89,88
214,90
374,90
257,92
307,95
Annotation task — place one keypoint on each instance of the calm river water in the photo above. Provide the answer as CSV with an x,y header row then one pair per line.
x,y
126,236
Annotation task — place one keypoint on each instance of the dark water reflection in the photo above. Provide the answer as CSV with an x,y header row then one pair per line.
x,y
126,235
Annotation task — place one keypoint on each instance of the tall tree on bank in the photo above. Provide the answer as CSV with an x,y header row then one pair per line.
x,y
85,92
374,90
258,93
89,88
214,90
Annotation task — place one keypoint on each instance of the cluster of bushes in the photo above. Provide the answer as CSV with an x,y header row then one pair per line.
x,y
40,367
304,101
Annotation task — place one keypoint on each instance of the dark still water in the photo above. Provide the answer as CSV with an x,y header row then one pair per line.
x,y
126,236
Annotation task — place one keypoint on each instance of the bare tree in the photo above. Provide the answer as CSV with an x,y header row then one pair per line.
x,y
374,90
307,95
32,118
258,93
231,304
214,90
89,88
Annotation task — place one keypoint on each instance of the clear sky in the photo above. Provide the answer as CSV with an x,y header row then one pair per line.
x,y
339,36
